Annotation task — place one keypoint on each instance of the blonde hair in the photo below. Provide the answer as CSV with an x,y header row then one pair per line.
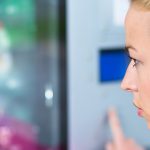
x,y
142,3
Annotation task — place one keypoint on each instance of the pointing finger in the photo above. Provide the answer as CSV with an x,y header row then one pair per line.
x,y
116,129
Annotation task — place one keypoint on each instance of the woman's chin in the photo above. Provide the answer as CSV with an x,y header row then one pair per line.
x,y
148,124
147,120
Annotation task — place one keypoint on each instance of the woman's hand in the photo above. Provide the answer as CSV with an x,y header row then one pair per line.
x,y
119,141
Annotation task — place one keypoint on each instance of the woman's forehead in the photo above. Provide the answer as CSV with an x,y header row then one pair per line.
x,y
137,23
136,17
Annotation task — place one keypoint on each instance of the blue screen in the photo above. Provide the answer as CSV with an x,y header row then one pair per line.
x,y
112,64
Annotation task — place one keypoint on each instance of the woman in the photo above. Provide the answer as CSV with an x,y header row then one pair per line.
x,y
137,77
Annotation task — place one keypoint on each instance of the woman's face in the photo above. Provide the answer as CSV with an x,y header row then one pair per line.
x,y
137,77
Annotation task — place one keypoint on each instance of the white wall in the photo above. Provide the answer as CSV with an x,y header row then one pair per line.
x,y
90,27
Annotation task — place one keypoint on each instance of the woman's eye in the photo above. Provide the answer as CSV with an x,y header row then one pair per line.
x,y
136,62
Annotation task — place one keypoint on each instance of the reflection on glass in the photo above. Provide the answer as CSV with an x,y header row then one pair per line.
x,y
49,94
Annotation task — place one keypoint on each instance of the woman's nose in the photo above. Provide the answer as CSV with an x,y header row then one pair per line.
x,y
129,83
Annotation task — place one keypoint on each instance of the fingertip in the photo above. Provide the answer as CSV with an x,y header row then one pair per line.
x,y
111,111
115,126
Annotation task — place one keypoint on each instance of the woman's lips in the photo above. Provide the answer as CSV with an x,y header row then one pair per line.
x,y
140,112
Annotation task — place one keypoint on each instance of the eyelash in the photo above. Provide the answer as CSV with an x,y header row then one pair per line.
x,y
136,62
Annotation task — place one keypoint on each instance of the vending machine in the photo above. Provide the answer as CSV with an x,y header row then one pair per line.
x,y
33,75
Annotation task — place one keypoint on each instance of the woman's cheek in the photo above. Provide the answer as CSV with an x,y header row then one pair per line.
x,y
144,92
